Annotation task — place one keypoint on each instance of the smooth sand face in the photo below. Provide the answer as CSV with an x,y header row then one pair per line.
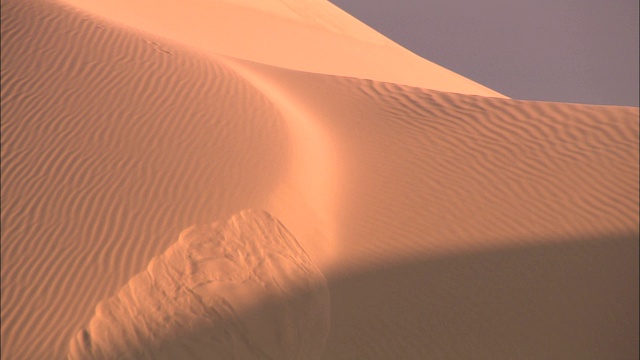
x,y
306,35
446,224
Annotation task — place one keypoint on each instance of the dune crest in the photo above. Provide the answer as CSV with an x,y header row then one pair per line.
x,y
195,299
310,35
308,197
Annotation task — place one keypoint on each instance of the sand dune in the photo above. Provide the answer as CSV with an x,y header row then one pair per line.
x,y
438,171
159,153
212,276
447,224
307,35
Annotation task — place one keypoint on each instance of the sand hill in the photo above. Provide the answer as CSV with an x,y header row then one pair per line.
x,y
367,203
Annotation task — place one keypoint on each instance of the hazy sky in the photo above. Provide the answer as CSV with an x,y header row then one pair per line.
x,y
583,51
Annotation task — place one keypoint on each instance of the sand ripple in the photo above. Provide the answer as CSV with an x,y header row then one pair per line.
x,y
195,300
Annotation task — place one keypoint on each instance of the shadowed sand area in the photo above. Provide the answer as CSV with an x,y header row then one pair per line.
x,y
528,302
552,299
448,220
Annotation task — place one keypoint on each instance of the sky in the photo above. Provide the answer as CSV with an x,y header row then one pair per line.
x,y
580,51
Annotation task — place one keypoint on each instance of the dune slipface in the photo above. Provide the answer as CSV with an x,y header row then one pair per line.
x,y
195,300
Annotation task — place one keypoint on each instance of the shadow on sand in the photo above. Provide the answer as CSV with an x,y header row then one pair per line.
x,y
574,299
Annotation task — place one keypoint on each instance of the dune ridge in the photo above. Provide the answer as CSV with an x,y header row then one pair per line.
x,y
114,140
308,35
308,199
459,171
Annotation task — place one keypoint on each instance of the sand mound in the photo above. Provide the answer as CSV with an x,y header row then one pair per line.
x,y
194,300
115,140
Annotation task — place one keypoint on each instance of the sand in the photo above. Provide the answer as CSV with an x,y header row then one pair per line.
x,y
196,299
414,213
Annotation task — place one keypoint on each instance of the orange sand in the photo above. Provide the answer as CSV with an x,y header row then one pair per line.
x,y
409,213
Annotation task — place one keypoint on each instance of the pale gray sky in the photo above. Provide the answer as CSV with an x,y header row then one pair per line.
x,y
583,51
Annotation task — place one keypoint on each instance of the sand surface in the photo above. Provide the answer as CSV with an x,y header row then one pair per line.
x,y
396,209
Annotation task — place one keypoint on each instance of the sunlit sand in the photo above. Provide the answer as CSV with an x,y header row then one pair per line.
x,y
233,179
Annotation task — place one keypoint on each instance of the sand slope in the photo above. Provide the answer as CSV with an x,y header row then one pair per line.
x,y
192,301
447,225
307,35
439,172
117,148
